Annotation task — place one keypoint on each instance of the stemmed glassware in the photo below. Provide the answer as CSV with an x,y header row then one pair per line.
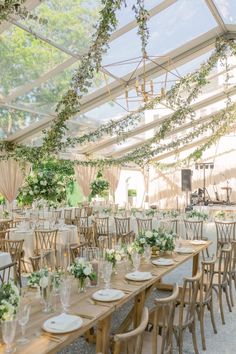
x,y
8,334
23,319
136,260
107,271
147,253
65,292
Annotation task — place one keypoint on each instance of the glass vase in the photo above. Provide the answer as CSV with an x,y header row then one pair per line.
x,y
82,285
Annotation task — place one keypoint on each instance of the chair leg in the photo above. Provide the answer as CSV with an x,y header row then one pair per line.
x,y
212,316
227,298
194,338
231,290
180,341
221,306
202,308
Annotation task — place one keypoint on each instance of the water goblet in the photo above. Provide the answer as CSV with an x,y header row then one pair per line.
x,y
65,292
8,334
107,271
23,318
147,253
136,260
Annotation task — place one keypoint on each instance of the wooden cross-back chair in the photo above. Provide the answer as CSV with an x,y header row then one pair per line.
x,y
5,225
41,261
15,248
45,240
123,232
131,342
87,235
68,216
194,230
225,232
171,225
77,213
144,225
8,273
185,311
102,233
56,215
161,318
82,221
221,277
87,211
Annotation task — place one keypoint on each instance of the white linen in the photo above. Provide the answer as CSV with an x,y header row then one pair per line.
x,y
5,259
63,322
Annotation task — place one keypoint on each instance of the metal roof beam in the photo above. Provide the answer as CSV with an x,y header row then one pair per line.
x,y
214,10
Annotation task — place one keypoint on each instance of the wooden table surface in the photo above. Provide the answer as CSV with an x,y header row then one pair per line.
x,y
96,313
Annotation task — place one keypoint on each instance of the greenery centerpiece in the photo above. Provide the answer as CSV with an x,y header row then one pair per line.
x,y
195,214
113,256
82,270
9,301
99,187
135,247
159,239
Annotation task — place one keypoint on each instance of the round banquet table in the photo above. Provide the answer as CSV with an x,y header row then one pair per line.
x,y
66,234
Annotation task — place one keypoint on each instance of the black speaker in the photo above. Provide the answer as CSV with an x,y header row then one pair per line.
x,y
186,180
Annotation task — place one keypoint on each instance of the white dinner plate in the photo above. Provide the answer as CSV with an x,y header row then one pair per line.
x,y
198,242
138,276
74,323
106,295
163,262
184,250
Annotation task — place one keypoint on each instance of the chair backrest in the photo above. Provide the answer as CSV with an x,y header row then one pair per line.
x,y
77,213
144,225
225,254
131,342
208,268
193,228
188,298
225,232
4,235
171,225
5,225
56,214
68,216
45,240
86,234
102,226
77,251
122,226
14,247
87,211
6,273
233,257
165,309
83,221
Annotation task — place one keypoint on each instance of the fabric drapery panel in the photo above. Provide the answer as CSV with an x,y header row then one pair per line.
x,y
12,177
85,175
112,175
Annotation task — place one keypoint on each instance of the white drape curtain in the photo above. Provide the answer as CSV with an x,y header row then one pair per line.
x,y
12,177
112,175
85,175
145,173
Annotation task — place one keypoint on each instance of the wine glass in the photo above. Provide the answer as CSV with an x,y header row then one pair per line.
x,y
8,334
136,260
107,270
65,292
23,319
147,253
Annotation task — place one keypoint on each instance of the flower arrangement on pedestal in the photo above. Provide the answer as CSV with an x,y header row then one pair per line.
x,y
82,270
9,301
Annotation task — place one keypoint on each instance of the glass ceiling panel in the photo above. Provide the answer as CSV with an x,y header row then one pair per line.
x,y
70,24
126,14
227,9
44,98
167,32
14,120
24,58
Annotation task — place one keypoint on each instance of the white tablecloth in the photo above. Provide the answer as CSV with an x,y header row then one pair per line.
x,y
65,235
5,259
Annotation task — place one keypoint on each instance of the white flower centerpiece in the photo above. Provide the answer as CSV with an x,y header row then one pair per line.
x,y
113,256
82,270
159,239
9,301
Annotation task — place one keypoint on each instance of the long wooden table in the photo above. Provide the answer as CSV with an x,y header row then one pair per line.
x,y
98,314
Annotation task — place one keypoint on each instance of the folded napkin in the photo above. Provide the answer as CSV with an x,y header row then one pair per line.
x,y
62,322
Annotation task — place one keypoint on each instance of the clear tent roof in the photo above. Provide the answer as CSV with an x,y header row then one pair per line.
x,y
38,61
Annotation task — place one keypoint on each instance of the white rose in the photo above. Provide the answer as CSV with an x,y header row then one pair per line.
x,y
43,283
142,240
118,257
31,193
148,234
87,270
130,249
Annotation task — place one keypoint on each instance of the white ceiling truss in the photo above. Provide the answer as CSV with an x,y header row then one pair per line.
x,y
181,55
